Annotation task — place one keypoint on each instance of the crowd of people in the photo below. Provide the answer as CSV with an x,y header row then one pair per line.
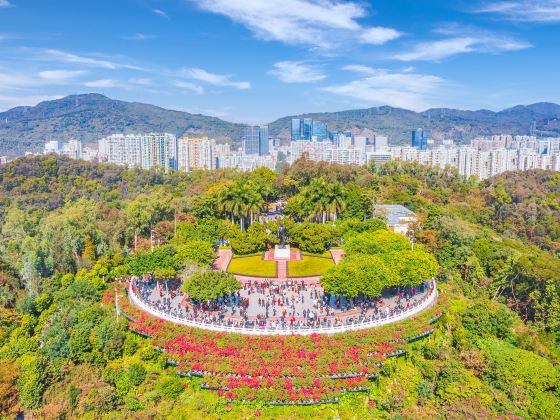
x,y
291,304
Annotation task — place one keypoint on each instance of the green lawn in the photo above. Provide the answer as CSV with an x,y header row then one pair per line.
x,y
252,266
309,266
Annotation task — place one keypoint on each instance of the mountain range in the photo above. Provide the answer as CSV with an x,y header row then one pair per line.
x,y
89,117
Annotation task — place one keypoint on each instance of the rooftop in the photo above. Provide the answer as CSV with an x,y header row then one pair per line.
x,y
393,212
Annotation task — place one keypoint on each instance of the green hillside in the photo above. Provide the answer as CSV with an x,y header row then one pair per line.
x,y
69,230
92,116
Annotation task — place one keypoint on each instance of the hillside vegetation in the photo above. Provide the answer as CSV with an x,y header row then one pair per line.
x,y
90,117
69,228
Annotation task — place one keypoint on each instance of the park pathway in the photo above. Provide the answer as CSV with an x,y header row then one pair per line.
x,y
337,255
282,268
222,262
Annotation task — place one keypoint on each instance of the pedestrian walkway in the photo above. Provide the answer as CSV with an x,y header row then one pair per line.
x,y
282,267
223,260
337,255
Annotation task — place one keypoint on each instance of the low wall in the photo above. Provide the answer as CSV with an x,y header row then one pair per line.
x,y
415,308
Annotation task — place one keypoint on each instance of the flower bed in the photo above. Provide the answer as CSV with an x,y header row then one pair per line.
x,y
280,369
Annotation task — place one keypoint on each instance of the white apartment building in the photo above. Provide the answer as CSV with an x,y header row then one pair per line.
x,y
236,159
121,149
159,150
52,146
145,150
327,152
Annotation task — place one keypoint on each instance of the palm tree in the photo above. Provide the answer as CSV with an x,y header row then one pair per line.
x,y
335,199
314,198
225,202
255,204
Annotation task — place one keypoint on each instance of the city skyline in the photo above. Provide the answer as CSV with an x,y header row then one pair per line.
x,y
254,61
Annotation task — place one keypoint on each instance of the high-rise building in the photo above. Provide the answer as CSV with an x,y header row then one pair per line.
x,y
381,143
420,139
121,149
255,140
159,150
307,128
296,129
251,140
319,131
196,153
52,146
72,149
144,150
264,147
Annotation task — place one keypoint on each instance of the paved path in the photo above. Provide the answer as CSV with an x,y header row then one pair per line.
x,y
272,299
224,257
337,255
282,267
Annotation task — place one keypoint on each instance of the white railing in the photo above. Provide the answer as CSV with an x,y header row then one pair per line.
x,y
414,309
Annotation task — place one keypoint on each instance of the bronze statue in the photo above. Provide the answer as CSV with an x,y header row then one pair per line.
x,y
282,234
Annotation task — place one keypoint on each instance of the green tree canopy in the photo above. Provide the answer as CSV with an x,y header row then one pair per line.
x,y
358,274
377,242
198,251
210,285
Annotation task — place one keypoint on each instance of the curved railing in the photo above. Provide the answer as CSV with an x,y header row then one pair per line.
x,y
414,309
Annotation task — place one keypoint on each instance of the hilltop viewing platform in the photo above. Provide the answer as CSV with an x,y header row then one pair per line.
x,y
269,307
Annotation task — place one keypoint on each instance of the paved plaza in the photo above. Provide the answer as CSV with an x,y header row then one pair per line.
x,y
291,302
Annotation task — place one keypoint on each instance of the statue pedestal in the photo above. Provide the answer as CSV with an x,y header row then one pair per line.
x,y
282,252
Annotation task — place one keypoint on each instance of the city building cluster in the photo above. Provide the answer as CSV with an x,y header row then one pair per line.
x,y
487,156
484,157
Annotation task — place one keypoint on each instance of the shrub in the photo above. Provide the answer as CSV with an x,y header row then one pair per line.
x,y
136,374
104,399
170,388
73,396
26,305
32,382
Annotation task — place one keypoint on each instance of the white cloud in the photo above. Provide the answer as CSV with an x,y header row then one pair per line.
x,y
60,76
379,35
223,80
88,61
358,68
386,87
5,3
140,37
103,83
320,23
160,12
296,72
199,90
543,11
141,81
440,49
18,81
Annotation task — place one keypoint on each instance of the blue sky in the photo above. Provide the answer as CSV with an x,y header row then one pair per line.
x,y
257,60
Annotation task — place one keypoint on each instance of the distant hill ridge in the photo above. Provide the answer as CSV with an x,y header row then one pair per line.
x,y
91,116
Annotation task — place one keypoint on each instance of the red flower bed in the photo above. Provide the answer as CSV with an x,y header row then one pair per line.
x,y
279,368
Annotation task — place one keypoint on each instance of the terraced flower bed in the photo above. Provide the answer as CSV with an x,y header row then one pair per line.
x,y
281,369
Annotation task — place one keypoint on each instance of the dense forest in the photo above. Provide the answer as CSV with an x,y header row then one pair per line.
x,y
69,228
